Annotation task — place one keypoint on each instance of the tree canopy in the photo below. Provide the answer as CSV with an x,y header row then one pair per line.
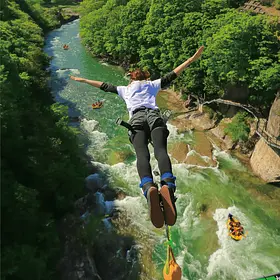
x,y
42,170
241,49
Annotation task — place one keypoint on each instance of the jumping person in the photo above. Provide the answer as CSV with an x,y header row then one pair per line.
x,y
147,123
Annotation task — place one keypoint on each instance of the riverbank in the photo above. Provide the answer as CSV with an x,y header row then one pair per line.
x,y
260,155
207,132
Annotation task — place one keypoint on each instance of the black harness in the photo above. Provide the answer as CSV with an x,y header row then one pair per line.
x,y
165,116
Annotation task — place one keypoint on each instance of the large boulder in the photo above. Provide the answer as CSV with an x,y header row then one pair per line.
x,y
265,160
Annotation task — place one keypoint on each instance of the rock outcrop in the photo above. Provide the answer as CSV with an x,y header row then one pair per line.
x,y
67,15
265,160
219,132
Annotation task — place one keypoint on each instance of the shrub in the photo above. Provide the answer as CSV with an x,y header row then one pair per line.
x,y
238,129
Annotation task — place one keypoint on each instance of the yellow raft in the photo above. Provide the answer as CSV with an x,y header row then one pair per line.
x,y
235,230
97,105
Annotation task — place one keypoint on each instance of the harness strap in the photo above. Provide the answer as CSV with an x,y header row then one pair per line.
x,y
128,126
141,108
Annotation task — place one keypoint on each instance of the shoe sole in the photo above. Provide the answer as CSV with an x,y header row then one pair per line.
x,y
156,213
170,213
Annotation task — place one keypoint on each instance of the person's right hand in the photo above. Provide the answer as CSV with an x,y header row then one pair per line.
x,y
198,53
77,79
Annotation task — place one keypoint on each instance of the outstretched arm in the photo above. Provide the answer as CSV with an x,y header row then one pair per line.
x,y
178,70
97,84
168,78
103,86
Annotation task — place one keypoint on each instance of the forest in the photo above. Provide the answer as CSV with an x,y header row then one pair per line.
x,y
241,48
42,167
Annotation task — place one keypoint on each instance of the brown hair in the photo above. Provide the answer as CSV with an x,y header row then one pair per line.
x,y
139,75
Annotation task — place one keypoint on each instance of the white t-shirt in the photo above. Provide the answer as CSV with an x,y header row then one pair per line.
x,y
140,93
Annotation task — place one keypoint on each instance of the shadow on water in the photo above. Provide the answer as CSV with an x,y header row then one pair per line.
x,y
120,260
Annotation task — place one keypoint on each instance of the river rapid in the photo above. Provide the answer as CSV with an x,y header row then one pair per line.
x,y
206,192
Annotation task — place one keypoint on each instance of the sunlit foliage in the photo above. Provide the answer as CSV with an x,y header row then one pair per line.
x,y
242,50
42,170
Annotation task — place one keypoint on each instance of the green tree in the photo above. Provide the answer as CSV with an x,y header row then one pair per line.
x,y
242,51
41,162
238,129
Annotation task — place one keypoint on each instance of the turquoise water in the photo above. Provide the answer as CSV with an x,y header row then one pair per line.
x,y
206,195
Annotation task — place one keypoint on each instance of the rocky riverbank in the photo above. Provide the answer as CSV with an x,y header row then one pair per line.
x,y
97,227
66,15
265,160
260,157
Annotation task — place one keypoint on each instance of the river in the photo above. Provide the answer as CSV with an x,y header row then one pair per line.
x,y
206,194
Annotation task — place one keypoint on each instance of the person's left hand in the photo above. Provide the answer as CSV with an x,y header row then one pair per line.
x,y
198,53
77,79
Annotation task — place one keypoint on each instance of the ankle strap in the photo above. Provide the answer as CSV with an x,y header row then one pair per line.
x,y
167,180
170,182
146,187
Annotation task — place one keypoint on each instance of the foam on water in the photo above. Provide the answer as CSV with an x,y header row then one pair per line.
x,y
97,140
173,133
192,267
222,176
128,172
186,166
137,212
89,125
55,41
242,259
186,220
226,156
66,72
195,153
183,170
